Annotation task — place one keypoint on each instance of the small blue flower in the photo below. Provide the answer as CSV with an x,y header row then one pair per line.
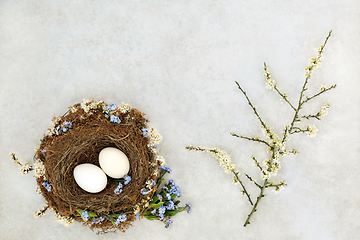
x,y
168,222
98,220
175,190
144,192
47,185
153,182
161,209
115,119
127,179
188,207
168,196
170,205
43,151
153,211
85,216
106,115
160,197
145,132
64,129
121,218
172,183
111,107
138,215
166,168
118,189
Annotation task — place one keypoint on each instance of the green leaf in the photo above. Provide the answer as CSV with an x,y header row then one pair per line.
x,y
112,221
147,212
173,196
159,181
177,202
156,206
79,211
153,201
92,214
151,217
172,212
115,215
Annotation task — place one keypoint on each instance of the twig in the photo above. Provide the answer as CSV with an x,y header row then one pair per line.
x,y
252,180
251,139
284,97
243,187
253,210
251,105
322,91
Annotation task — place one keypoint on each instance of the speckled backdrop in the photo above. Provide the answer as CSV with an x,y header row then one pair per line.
x,y
177,62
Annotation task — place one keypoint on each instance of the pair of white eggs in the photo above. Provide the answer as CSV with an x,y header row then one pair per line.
x,y
93,179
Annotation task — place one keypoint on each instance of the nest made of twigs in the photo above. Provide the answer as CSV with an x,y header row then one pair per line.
x,y
91,132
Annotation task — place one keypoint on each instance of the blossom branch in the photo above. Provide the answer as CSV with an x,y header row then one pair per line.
x,y
255,139
314,63
321,92
225,163
276,186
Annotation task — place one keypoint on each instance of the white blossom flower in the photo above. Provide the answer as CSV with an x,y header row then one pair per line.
x,y
235,180
270,83
323,87
160,159
39,168
153,149
125,107
40,213
85,105
315,61
224,159
137,209
73,109
312,130
25,168
324,110
66,221
155,137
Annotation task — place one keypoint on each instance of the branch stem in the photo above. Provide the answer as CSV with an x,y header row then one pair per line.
x,y
243,187
253,210
251,139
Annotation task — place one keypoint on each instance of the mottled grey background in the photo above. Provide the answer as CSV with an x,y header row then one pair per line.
x,y
177,62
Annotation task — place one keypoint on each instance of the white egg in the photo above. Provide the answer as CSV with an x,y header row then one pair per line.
x,y
90,177
114,162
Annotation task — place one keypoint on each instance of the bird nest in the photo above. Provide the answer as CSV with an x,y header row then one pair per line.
x,y
76,138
